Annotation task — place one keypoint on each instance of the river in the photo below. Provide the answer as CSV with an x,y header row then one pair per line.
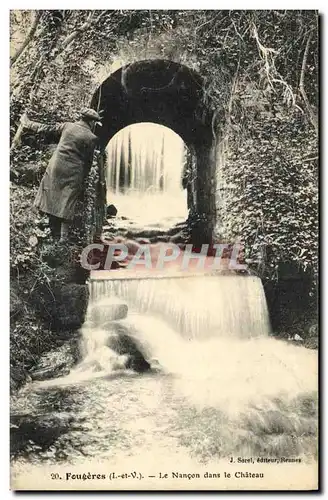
x,y
220,387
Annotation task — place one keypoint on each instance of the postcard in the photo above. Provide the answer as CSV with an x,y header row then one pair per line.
x,y
164,250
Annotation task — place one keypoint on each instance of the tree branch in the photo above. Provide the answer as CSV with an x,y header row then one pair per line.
x,y
27,40
39,65
308,106
70,38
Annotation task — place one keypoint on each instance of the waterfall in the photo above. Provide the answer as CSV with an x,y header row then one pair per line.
x,y
209,334
200,316
145,157
144,173
198,307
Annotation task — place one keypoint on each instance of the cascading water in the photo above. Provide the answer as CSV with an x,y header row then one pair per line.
x,y
144,158
145,163
220,387
198,307
189,309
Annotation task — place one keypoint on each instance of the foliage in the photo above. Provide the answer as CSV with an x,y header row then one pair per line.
x,y
254,65
94,199
26,230
273,202
260,73
58,55
36,263
29,338
29,335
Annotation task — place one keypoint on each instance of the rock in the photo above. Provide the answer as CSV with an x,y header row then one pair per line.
x,y
108,227
155,364
108,310
71,306
54,364
181,226
295,338
51,372
111,211
181,237
145,233
138,364
163,239
123,344
64,306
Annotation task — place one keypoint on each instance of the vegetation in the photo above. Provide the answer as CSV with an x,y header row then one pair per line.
x,y
260,71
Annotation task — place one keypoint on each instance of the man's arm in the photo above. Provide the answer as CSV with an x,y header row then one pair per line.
x,y
53,130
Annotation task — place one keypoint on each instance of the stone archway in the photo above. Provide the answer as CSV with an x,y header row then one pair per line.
x,y
170,94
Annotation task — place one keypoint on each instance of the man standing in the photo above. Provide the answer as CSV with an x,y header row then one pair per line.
x,y
68,167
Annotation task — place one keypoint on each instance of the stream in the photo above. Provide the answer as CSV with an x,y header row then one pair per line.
x,y
219,387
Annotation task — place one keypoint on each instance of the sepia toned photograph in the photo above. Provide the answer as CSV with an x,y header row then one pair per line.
x,y
164,182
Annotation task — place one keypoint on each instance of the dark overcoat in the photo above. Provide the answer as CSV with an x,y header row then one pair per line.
x,y
63,180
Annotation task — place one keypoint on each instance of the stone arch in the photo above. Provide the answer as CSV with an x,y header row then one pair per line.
x,y
170,94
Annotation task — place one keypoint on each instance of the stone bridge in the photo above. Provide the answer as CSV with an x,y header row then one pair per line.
x,y
170,94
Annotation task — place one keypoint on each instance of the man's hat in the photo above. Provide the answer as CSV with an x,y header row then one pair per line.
x,y
90,114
